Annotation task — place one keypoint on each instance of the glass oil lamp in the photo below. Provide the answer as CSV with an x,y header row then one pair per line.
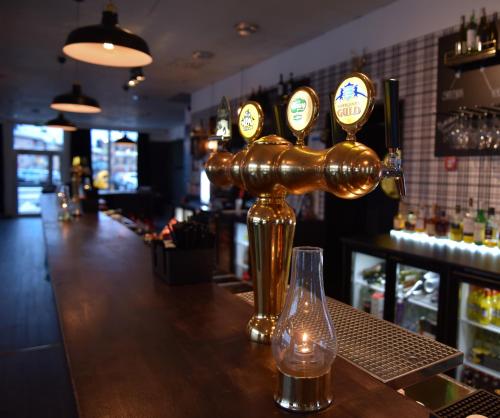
x,y
304,342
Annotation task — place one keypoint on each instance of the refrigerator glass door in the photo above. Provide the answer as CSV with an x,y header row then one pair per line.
x,y
241,262
479,336
416,305
368,283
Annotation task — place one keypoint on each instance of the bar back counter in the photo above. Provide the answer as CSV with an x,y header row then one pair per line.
x,y
137,347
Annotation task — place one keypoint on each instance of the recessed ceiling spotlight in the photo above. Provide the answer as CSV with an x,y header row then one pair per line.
x,y
202,55
246,29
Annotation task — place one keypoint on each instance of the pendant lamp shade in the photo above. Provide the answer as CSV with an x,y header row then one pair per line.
x,y
75,102
124,140
108,44
61,122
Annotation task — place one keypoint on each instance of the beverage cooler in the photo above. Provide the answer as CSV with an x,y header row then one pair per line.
x,y
451,295
478,330
398,292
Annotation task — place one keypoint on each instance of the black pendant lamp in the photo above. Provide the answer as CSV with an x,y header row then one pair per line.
x,y
124,140
76,102
62,123
108,44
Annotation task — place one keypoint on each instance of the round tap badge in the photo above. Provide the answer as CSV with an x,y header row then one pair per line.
x,y
302,110
250,121
353,101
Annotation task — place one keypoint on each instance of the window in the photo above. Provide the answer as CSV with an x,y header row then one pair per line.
x,y
38,138
114,164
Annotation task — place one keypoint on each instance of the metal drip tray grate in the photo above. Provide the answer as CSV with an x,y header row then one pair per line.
x,y
386,351
478,403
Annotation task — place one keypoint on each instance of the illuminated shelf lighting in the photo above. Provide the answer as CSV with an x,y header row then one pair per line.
x,y
444,242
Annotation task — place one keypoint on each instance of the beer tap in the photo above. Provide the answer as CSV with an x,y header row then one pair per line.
x,y
270,168
392,134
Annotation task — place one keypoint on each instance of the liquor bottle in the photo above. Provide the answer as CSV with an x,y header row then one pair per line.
x,y
398,222
411,221
468,223
492,31
430,222
420,221
281,88
456,231
479,227
471,33
289,85
491,230
442,225
461,44
482,30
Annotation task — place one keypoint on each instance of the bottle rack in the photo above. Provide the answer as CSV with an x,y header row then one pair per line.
x,y
455,61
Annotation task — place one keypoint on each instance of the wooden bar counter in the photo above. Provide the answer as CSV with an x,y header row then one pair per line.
x,y
137,347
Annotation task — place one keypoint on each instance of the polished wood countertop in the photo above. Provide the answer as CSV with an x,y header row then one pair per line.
x,y
137,347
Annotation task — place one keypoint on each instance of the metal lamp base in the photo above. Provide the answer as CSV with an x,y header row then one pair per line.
x,y
260,328
304,394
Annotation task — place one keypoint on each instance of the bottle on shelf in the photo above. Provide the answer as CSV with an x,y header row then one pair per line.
x,y
468,223
491,229
430,222
290,84
492,30
398,222
461,44
496,308
420,220
472,33
486,307
281,88
472,303
411,221
482,30
442,225
456,231
479,226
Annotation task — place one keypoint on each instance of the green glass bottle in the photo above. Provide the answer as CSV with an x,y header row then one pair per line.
x,y
479,227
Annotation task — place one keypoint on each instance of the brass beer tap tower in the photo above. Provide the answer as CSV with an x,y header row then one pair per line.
x,y
271,167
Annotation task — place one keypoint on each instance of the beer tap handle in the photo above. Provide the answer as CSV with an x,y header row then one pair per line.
x,y
391,102
392,133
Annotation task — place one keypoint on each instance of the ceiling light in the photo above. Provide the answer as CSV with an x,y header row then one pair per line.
x,y
202,55
245,28
61,122
75,102
124,140
108,44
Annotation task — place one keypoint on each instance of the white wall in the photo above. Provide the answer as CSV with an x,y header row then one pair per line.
x,y
399,21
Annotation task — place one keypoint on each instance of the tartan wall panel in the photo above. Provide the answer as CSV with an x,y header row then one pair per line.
x,y
414,63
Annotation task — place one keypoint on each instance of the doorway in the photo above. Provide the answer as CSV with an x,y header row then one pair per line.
x,y
36,171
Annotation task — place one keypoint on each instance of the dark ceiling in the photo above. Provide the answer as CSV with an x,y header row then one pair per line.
x,y
32,33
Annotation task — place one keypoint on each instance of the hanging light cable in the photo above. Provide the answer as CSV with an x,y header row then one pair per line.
x,y
60,121
75,101
107,43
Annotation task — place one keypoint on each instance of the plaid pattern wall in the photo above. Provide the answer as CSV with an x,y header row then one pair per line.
x,y
414,63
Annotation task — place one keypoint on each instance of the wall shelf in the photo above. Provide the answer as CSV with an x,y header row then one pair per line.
x,y
458,61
